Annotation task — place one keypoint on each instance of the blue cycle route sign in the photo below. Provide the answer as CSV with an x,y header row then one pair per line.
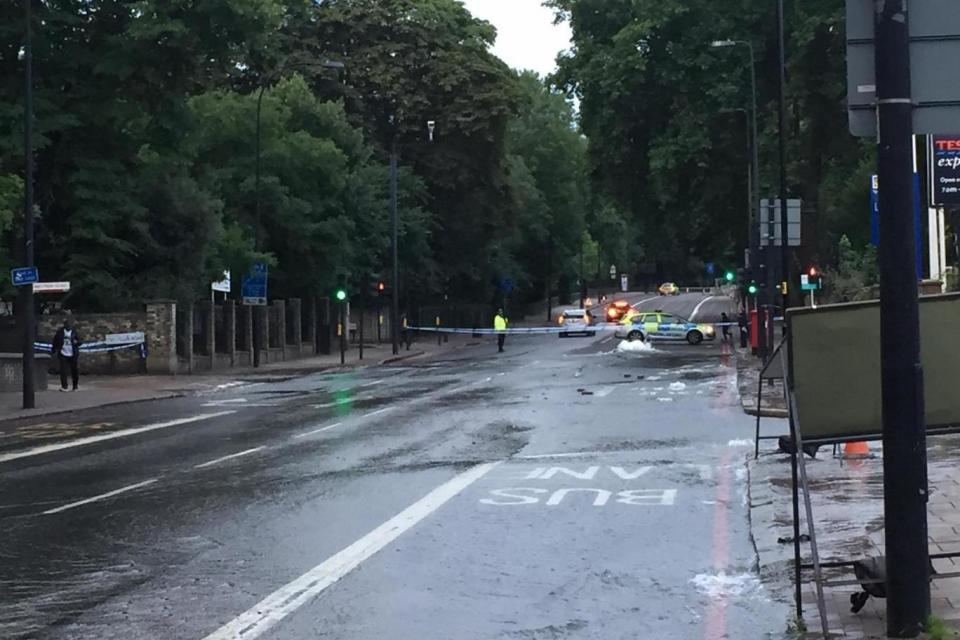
x,y
253,288
24,275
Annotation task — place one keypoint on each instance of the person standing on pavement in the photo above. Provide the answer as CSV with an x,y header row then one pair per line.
x,y
66,346
725,320
500,326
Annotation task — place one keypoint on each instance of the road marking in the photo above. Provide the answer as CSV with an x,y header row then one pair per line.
x,y
696,309
80,442
377,412
577,454
320,430
636,305
604,392
230,457
370,384
281,603
102,496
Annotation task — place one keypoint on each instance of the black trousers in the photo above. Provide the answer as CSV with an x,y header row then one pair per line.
x,y
500,338
71,364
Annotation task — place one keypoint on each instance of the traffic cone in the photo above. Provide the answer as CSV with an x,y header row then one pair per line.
x,y
854,450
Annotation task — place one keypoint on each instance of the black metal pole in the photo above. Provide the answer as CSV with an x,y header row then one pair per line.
x,y
256,228
29,330
583,282
549,277
360,329
782,124
343,332
394,250
904,437
755,144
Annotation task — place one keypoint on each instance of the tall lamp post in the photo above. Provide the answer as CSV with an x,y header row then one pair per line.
x,y
754,223
29,330
782,141
326,64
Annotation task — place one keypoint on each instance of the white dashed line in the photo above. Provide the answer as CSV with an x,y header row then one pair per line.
x,y
230,457
316,431
103,496
80,442
281,603
377,412
370,384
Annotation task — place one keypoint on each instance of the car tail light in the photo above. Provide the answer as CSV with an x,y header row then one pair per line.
x,y
612,313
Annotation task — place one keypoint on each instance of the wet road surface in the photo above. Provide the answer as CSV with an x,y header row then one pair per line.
x,y
561,490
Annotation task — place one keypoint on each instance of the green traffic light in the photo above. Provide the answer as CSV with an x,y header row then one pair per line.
x,y
730,276
752,289
341,295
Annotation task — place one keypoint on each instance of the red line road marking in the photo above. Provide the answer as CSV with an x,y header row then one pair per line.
x,y
716,615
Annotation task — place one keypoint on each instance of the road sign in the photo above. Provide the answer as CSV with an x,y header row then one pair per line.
x,y
223,286
24,275
613,272
253,289
770,222
711,268
917,220
51,287
624,283
935,76
806,284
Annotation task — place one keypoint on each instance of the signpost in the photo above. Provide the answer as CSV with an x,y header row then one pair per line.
x,y
253,290
51,287
24,275
223,286
903,79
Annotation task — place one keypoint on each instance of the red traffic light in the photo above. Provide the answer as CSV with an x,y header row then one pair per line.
x,y
381,286
813,272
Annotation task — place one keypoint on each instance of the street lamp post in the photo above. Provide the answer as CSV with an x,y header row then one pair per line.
x,y
394,248
754,223
782,131
29,398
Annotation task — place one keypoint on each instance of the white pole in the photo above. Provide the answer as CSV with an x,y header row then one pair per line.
x,y
942,246
933,241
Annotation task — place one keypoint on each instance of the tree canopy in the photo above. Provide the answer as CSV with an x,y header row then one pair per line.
x,y
146,149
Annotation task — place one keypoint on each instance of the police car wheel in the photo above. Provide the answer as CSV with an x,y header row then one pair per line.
x,y
633,336
694,337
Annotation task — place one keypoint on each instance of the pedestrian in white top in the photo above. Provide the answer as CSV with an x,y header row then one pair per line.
x,y
66,345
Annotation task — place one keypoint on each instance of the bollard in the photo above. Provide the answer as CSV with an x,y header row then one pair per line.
x,y
439,335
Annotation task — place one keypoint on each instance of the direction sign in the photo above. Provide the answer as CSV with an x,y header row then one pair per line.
x,y
770,222
51,287
613,272
253,289
24,275
224,285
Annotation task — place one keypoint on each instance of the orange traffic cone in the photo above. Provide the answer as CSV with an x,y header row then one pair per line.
x,y
854,450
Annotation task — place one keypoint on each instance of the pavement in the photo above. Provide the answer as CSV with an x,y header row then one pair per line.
x,y
848,511
568,488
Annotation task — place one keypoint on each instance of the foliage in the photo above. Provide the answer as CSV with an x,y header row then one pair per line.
x,y
667,142
856,275
937,629
146,121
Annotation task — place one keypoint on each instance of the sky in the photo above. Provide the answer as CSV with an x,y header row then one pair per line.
x,y
526,35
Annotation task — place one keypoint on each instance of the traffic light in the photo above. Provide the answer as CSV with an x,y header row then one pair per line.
x,y
381,287
341,295
730,276
753,289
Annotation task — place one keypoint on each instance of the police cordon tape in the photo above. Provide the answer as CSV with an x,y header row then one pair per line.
x,y
96,347
544,330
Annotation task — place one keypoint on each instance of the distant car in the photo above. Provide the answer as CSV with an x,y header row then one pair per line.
x,y
669,289
576,322
617,310
664,326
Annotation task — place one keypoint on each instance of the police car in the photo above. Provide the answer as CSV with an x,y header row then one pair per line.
x,y
663,326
